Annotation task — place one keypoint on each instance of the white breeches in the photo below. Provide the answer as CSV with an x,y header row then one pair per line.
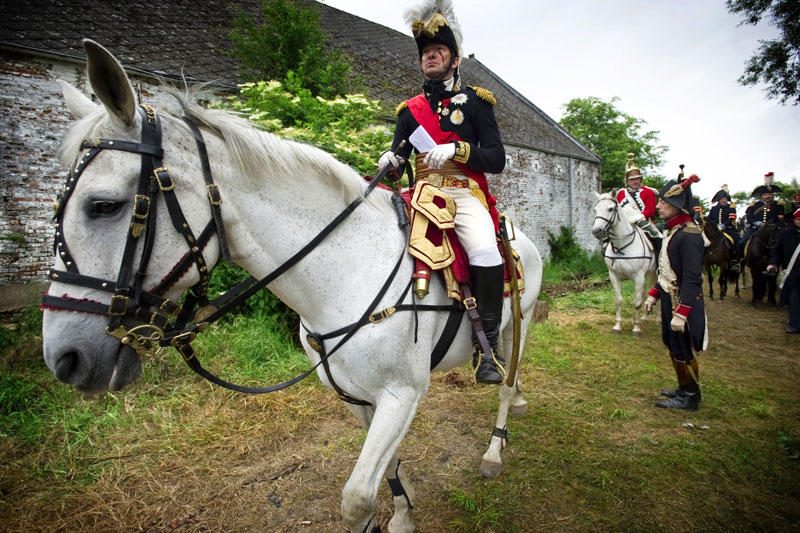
x,y
475,229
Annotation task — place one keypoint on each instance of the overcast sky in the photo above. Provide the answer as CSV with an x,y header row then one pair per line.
x,y
672,63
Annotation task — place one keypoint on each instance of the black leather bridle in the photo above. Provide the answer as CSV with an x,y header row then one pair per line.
x,y
137,317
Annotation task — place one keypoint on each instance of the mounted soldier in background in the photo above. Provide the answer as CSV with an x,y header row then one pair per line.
x,y
764,211
723,214
643,198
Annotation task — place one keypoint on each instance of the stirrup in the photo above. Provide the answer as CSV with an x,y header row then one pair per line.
x,y
490,364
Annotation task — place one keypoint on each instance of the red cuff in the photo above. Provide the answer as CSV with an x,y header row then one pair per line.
x,y
654,292
683,310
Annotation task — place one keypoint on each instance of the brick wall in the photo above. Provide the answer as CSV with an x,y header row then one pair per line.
x,y
533,189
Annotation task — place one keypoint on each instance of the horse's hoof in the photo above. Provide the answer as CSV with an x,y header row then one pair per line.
x,y
490,469
636,333
616,331
520,409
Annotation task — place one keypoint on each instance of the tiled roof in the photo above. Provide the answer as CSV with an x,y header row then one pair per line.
x,y
191,36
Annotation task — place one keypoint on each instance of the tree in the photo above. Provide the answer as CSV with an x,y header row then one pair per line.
x,y
776,62
289,40
612,134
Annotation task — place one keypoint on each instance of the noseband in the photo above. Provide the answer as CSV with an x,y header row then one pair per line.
x,y
137,317
609,221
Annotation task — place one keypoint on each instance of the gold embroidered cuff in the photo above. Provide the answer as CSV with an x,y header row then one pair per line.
x,y
462,152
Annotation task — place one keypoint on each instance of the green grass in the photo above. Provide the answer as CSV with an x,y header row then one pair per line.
x,y
591,454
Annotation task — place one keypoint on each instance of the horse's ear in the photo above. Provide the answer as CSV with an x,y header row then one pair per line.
x,y
78,103
110,83
598,195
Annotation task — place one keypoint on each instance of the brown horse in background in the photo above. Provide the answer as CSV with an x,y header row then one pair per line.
x,y
756,256
719,253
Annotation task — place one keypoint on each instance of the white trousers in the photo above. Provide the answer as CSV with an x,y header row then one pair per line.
x,y
474,228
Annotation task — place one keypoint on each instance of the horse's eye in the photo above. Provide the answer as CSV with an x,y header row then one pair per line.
x,y
104,208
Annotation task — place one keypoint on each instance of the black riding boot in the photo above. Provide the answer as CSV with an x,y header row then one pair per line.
x,y
487,288
687,395
656,245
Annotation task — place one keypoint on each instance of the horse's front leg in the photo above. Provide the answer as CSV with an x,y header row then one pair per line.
x,y
638,300
387,428
492,462
710,275
402,496
615,282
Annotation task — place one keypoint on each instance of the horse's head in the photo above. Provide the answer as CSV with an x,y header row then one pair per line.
x,y
606,213
115,279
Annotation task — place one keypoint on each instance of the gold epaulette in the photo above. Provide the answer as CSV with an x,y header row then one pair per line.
x,y
692,228
402,105
484,94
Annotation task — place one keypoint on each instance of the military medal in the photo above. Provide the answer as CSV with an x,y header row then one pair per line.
x,y
457,117
445,112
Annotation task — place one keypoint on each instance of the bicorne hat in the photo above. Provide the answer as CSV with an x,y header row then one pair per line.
x,y
631,170
434,21
678,193
722,193
767,187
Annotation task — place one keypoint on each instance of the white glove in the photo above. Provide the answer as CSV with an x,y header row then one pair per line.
x,y
772,268
439,154
757,223
634,219
678,323
388,158
648,304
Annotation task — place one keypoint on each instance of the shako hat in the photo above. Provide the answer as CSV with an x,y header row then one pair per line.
x,y
678,193
434,21
722,193
767,187
631,170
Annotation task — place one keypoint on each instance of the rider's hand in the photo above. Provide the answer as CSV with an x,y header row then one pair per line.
x,y
678,322
635,219
757,223
772,268
439,154
388,158
648,304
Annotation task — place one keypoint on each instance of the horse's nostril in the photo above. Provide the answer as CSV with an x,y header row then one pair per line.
x,y
67,365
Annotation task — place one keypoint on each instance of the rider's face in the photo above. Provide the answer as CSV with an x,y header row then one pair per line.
x,y
766,197
634,184
437,62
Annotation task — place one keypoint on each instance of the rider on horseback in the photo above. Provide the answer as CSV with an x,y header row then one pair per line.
x,y
643,198
723,214
763,211
453,130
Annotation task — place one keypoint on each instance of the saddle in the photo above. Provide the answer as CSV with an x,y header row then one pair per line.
x,y
434,244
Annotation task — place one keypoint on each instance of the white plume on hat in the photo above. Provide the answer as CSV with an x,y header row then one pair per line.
x,y
768,178
428,8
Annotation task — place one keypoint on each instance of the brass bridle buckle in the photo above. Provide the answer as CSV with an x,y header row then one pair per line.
x,y
142,339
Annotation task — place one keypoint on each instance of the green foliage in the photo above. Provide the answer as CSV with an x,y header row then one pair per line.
x,y
777,61
263,305
289,42
612,134
345,126
570,259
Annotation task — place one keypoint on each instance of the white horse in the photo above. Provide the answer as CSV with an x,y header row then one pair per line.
x,y
627,252
276,197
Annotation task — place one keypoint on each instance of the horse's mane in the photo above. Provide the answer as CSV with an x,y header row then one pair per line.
x,y
252,149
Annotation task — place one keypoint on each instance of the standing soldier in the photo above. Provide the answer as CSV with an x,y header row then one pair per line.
x,y
453,130
679,287
643,198
723,214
